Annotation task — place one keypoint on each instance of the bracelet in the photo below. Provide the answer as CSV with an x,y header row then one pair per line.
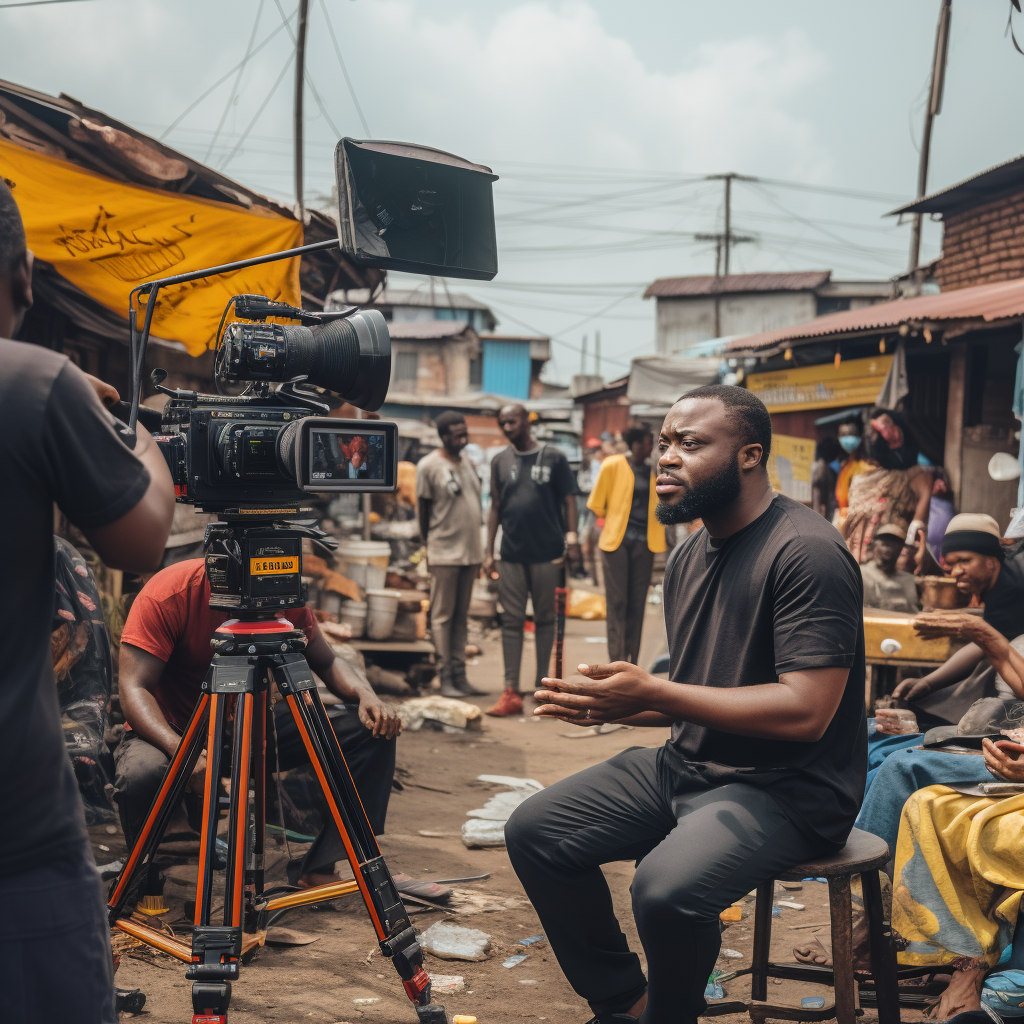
x,y
570,537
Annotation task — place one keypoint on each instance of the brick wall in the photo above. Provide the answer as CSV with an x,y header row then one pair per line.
x,y
983,245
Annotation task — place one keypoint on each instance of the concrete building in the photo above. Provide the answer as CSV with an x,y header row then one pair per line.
x,y
691,310
430,300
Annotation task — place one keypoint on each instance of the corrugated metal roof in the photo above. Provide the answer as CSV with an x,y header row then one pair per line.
x,y
985,303
708,284
427,330
971,191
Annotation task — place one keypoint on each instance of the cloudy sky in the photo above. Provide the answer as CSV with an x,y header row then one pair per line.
x,y
601,118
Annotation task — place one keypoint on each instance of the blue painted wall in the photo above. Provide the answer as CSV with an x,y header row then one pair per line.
x,y
507,368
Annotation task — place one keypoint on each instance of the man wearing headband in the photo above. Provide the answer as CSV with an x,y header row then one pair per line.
x,y
972,550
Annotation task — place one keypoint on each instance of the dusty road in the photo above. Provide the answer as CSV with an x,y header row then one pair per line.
x,y
321,981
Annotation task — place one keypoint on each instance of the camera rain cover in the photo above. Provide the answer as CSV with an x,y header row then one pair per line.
x,y
412,208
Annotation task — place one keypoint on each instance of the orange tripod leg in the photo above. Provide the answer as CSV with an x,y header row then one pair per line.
x,y
178,773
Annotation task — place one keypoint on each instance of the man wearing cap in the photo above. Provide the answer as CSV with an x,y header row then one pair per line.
x,y
973,551
885,586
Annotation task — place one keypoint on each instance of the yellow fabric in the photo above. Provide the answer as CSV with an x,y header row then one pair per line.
x,y
849,469
107,237
612,497
959,875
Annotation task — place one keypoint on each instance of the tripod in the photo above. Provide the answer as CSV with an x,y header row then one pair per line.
x,y
251,655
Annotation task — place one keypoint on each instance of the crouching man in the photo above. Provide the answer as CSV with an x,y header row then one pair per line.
x,y
766,761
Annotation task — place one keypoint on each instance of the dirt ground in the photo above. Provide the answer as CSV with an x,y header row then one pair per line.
x,y
321,981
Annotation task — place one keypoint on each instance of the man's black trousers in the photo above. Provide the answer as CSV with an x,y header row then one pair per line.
x,y
140,767
701,845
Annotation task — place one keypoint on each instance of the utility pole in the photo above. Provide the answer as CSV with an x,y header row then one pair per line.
x,y
300,81
724,241
597,353
934,107
583,356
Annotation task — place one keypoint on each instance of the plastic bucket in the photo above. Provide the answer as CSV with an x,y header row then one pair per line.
x,y
353,614
365,562
381,611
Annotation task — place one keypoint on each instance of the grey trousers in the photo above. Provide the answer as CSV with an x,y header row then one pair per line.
x,y
451,590
699,846
627,575
516,582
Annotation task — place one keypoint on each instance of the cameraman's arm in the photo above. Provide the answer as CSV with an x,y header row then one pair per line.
x,y
138,674
123,501
135,542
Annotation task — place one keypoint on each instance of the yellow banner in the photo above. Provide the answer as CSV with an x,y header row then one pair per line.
x,y
852,382
107,237
789,466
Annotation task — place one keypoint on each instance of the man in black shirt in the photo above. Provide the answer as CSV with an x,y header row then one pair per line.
x,y
533,499
766,761
60,446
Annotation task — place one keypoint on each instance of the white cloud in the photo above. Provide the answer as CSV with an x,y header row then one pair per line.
x,y
546,82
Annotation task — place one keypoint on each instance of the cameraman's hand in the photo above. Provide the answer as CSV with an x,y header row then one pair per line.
x,y
911,689
106,393
1002,759
197,784
380,718
607,693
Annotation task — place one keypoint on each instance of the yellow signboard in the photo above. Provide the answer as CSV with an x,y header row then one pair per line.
x,y
852,382
789,466
107,237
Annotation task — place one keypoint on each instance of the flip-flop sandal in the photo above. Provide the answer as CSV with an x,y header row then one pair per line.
x,y
423,889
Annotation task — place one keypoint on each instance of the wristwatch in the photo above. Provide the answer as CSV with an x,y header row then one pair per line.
x,y
570,537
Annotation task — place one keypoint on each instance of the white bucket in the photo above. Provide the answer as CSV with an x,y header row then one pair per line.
x,y
353,614
381,611
365,562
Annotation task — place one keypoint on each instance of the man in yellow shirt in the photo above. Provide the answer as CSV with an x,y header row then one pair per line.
x,y
624,495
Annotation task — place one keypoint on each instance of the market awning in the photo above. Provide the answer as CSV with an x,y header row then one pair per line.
x,y
658,381
961,310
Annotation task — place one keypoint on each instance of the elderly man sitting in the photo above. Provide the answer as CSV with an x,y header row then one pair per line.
x,y
971,548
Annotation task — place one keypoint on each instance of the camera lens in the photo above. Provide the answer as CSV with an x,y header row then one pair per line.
x,y
351,357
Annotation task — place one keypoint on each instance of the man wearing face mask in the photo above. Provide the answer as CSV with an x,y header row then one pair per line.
x,y
895,489
851,443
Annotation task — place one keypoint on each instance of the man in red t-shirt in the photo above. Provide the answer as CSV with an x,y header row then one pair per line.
x,y
165,654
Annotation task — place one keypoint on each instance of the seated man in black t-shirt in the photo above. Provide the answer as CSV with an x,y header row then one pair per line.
x,y
765,764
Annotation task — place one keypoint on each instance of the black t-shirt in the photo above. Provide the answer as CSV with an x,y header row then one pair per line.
x,y
1004,603
530,489
59,446
639,509
782,595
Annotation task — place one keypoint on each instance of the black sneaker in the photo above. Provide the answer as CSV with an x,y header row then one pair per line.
x,y
614,1018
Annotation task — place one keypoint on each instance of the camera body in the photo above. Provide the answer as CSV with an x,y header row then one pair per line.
x,y
258,453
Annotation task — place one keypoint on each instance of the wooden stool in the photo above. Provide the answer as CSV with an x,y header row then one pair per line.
x,y
863,855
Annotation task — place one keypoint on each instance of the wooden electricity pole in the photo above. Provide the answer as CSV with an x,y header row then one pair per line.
x,y
300,81
934,107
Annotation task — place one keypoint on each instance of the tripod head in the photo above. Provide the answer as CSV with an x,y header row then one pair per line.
x,y
254,560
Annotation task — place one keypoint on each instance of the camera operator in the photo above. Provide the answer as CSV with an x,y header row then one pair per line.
x,y
766,762
165,655
60,446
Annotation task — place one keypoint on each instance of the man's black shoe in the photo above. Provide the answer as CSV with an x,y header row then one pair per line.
x,y
614,1018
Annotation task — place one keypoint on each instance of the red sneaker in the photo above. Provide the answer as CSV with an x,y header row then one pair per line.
x,y
509,703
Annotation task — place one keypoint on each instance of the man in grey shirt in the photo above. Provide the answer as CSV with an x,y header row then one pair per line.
x,y
450,517
885,586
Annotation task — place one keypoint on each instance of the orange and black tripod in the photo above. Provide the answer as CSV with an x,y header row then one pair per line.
x,y
250,656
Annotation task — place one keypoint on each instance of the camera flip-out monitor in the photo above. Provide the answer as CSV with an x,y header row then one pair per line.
x,y
347,455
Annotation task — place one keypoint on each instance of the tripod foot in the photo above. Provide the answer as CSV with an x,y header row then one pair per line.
x,y
432,1014
210,1002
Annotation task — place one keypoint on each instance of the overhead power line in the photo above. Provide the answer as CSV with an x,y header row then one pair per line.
x,y
344,71
40,3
